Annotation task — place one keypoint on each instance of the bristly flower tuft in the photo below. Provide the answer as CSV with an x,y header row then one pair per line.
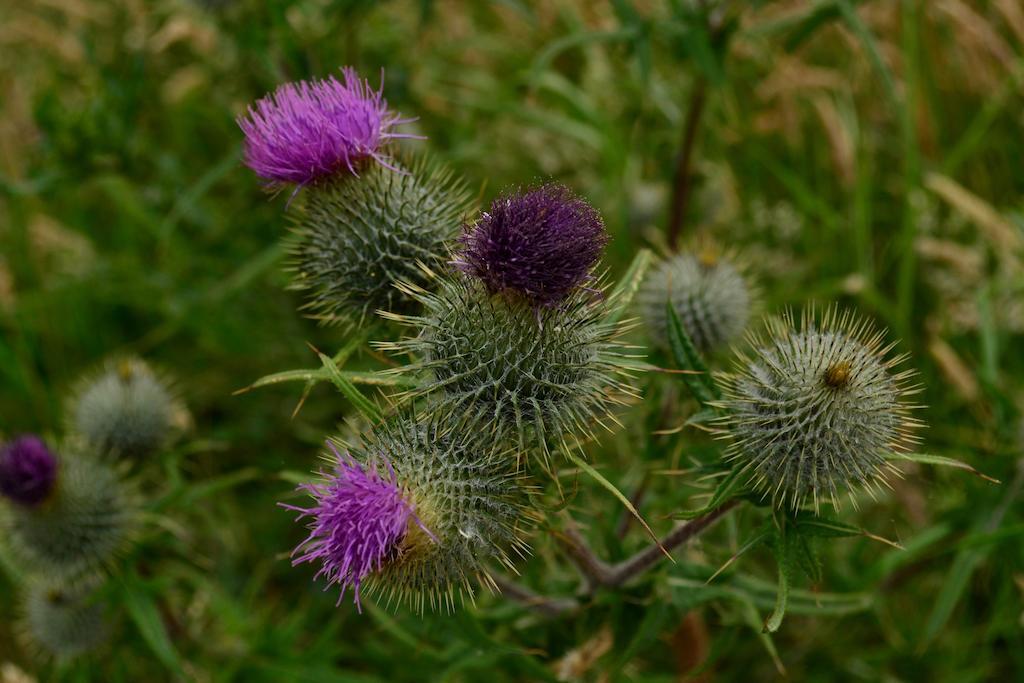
x,y
817,408
28,471
541,244
414,513
63,623
359,518
309,130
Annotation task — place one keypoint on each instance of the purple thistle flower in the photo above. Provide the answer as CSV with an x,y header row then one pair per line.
x,y
541,243
311,129
28,470
359,518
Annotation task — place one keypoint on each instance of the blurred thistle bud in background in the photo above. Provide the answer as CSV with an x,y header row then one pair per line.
x,y
84,523
708,292
28,471
126,409
62,622
414,514
817,408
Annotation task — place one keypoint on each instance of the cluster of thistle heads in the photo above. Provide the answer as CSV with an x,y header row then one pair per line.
x,y
70,506
514,353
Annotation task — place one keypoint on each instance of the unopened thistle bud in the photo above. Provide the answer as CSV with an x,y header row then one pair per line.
x,y
62,623
126,409
357,236
28,471
310,130
80,527
414,514
539,374
540,244
817,408
707,291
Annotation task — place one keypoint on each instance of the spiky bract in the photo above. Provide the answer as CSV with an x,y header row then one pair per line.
x,y
816,408
357,236
466,509
541,244
62,623
707,291
309,130
81,527
538,374
126,409
28,471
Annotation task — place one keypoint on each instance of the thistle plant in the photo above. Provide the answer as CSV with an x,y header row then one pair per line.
x,y
414,514
28,471
357,236
708,292
80,525
817,408
126,409
516,344
62,623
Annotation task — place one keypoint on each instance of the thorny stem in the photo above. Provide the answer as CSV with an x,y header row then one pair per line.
x,y
682,184
598,574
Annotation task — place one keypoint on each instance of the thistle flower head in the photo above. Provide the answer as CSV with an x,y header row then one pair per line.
x,y
413,513
356,236
87,520
541,244
707,291
359,518
126,408
309,130
62,623
28,471
817,408
536,374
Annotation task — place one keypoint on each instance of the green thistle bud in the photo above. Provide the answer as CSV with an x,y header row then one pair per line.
x,y
81,527
126,408
358,235
62,623
817,408
707,291
501,362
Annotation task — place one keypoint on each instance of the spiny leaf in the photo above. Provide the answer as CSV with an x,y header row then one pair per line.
x,y
701,384
730,487
364,405
929,459
623,294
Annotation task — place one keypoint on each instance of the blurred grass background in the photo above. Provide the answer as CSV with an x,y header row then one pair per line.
x,y
867,152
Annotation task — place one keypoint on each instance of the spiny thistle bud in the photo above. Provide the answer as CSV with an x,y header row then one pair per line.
x,y
28,471
310,130
62,623
817,408
413,514
708,293
539,373
358,235
541,244
81,527
126,409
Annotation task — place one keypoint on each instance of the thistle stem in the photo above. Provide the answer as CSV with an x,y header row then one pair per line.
x,y
682,185
542,605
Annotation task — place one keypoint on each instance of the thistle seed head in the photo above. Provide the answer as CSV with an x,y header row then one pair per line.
x,y
541,244
359,235
513,369
28,471
126,409
414,514
82,526
707,291
62,623
817,408
309,130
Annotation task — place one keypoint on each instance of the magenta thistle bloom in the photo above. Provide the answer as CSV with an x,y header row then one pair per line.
x,y
28,470
312,129
360,517
541,243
